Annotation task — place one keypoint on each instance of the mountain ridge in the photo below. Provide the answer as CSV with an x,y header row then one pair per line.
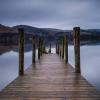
x,y
49,31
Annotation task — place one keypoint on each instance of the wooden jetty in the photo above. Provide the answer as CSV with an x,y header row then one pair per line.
x,y
51,77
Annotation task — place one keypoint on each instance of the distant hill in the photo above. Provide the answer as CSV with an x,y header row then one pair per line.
x,y
48,31
51,33
94,30
27,29
35,30
90,31
6,29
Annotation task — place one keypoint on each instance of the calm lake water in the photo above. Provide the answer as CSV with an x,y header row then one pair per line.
x,y
90,63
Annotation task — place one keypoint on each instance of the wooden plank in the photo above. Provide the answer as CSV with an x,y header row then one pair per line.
x,y
50,79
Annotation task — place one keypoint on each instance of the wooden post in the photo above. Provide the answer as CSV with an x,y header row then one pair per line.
x,y
76,35
60,49
66,48
33,50
63,48
56,48
50,48
39,48
21,51
43,46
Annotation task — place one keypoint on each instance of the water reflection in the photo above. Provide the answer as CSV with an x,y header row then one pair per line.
x,y
9,62
8,68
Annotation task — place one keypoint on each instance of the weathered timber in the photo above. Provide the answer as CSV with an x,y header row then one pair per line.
x,y
50,48
63,48
56,48
33,50
44,46
39,43
76,36
21,51
60,49
66,48
41,46
51,79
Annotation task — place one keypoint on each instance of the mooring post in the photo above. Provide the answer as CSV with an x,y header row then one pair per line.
x,y
21,51
76,35
43,46
66,48
50,48
63,47
33,50
56,48
60,49
39,47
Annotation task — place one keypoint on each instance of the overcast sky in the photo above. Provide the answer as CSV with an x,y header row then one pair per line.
x,y
63,14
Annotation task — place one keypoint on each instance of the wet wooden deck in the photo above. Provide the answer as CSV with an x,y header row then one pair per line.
x,y
50,79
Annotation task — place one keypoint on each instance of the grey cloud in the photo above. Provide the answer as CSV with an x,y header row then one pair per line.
x,y
51,13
